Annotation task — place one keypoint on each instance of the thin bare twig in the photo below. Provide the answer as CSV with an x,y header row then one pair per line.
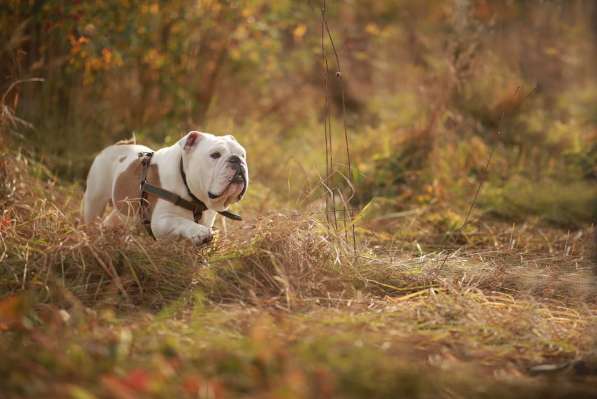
x,y
15,83
486,169
330,169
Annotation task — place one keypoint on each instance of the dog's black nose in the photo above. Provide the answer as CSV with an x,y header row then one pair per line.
x,y
234,159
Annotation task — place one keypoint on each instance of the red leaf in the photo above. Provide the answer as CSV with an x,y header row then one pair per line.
x,y
137,380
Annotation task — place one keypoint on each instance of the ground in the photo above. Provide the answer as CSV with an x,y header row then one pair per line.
x,y
282,306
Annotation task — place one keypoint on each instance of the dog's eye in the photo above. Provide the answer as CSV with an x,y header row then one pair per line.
x,y
215,155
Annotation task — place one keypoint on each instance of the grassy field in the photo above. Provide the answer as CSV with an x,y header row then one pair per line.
x,y
280,306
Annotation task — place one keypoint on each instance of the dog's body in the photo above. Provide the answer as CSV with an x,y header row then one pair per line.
x,y
216,173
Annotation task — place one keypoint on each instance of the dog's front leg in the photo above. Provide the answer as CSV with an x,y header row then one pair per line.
x,y
176,226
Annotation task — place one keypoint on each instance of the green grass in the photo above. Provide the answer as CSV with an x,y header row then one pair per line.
x,y
567,204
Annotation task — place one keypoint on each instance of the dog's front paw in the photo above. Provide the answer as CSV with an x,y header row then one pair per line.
x,y
202,238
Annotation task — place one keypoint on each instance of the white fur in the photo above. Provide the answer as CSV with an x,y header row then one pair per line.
x,y
204,174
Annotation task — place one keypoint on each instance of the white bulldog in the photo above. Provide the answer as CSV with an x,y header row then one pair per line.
x,y
212,168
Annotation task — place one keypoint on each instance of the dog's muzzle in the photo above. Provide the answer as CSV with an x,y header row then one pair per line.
x,y
238,178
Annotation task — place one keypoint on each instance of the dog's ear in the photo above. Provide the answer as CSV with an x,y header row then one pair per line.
x,y
190,140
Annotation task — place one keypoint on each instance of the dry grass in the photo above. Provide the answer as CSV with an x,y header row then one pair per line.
x,y
281,298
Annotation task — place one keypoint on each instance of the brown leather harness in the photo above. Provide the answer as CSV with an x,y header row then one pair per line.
x,y
195,205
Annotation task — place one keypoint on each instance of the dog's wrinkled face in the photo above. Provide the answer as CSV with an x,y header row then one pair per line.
x,y
216,168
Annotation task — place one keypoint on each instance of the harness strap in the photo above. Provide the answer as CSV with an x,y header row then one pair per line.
x,y
196,205
143,203
169,196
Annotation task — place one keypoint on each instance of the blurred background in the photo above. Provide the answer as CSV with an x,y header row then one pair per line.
x,y
432,90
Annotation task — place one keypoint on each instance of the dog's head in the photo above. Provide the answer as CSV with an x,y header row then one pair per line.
x,y
216,168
